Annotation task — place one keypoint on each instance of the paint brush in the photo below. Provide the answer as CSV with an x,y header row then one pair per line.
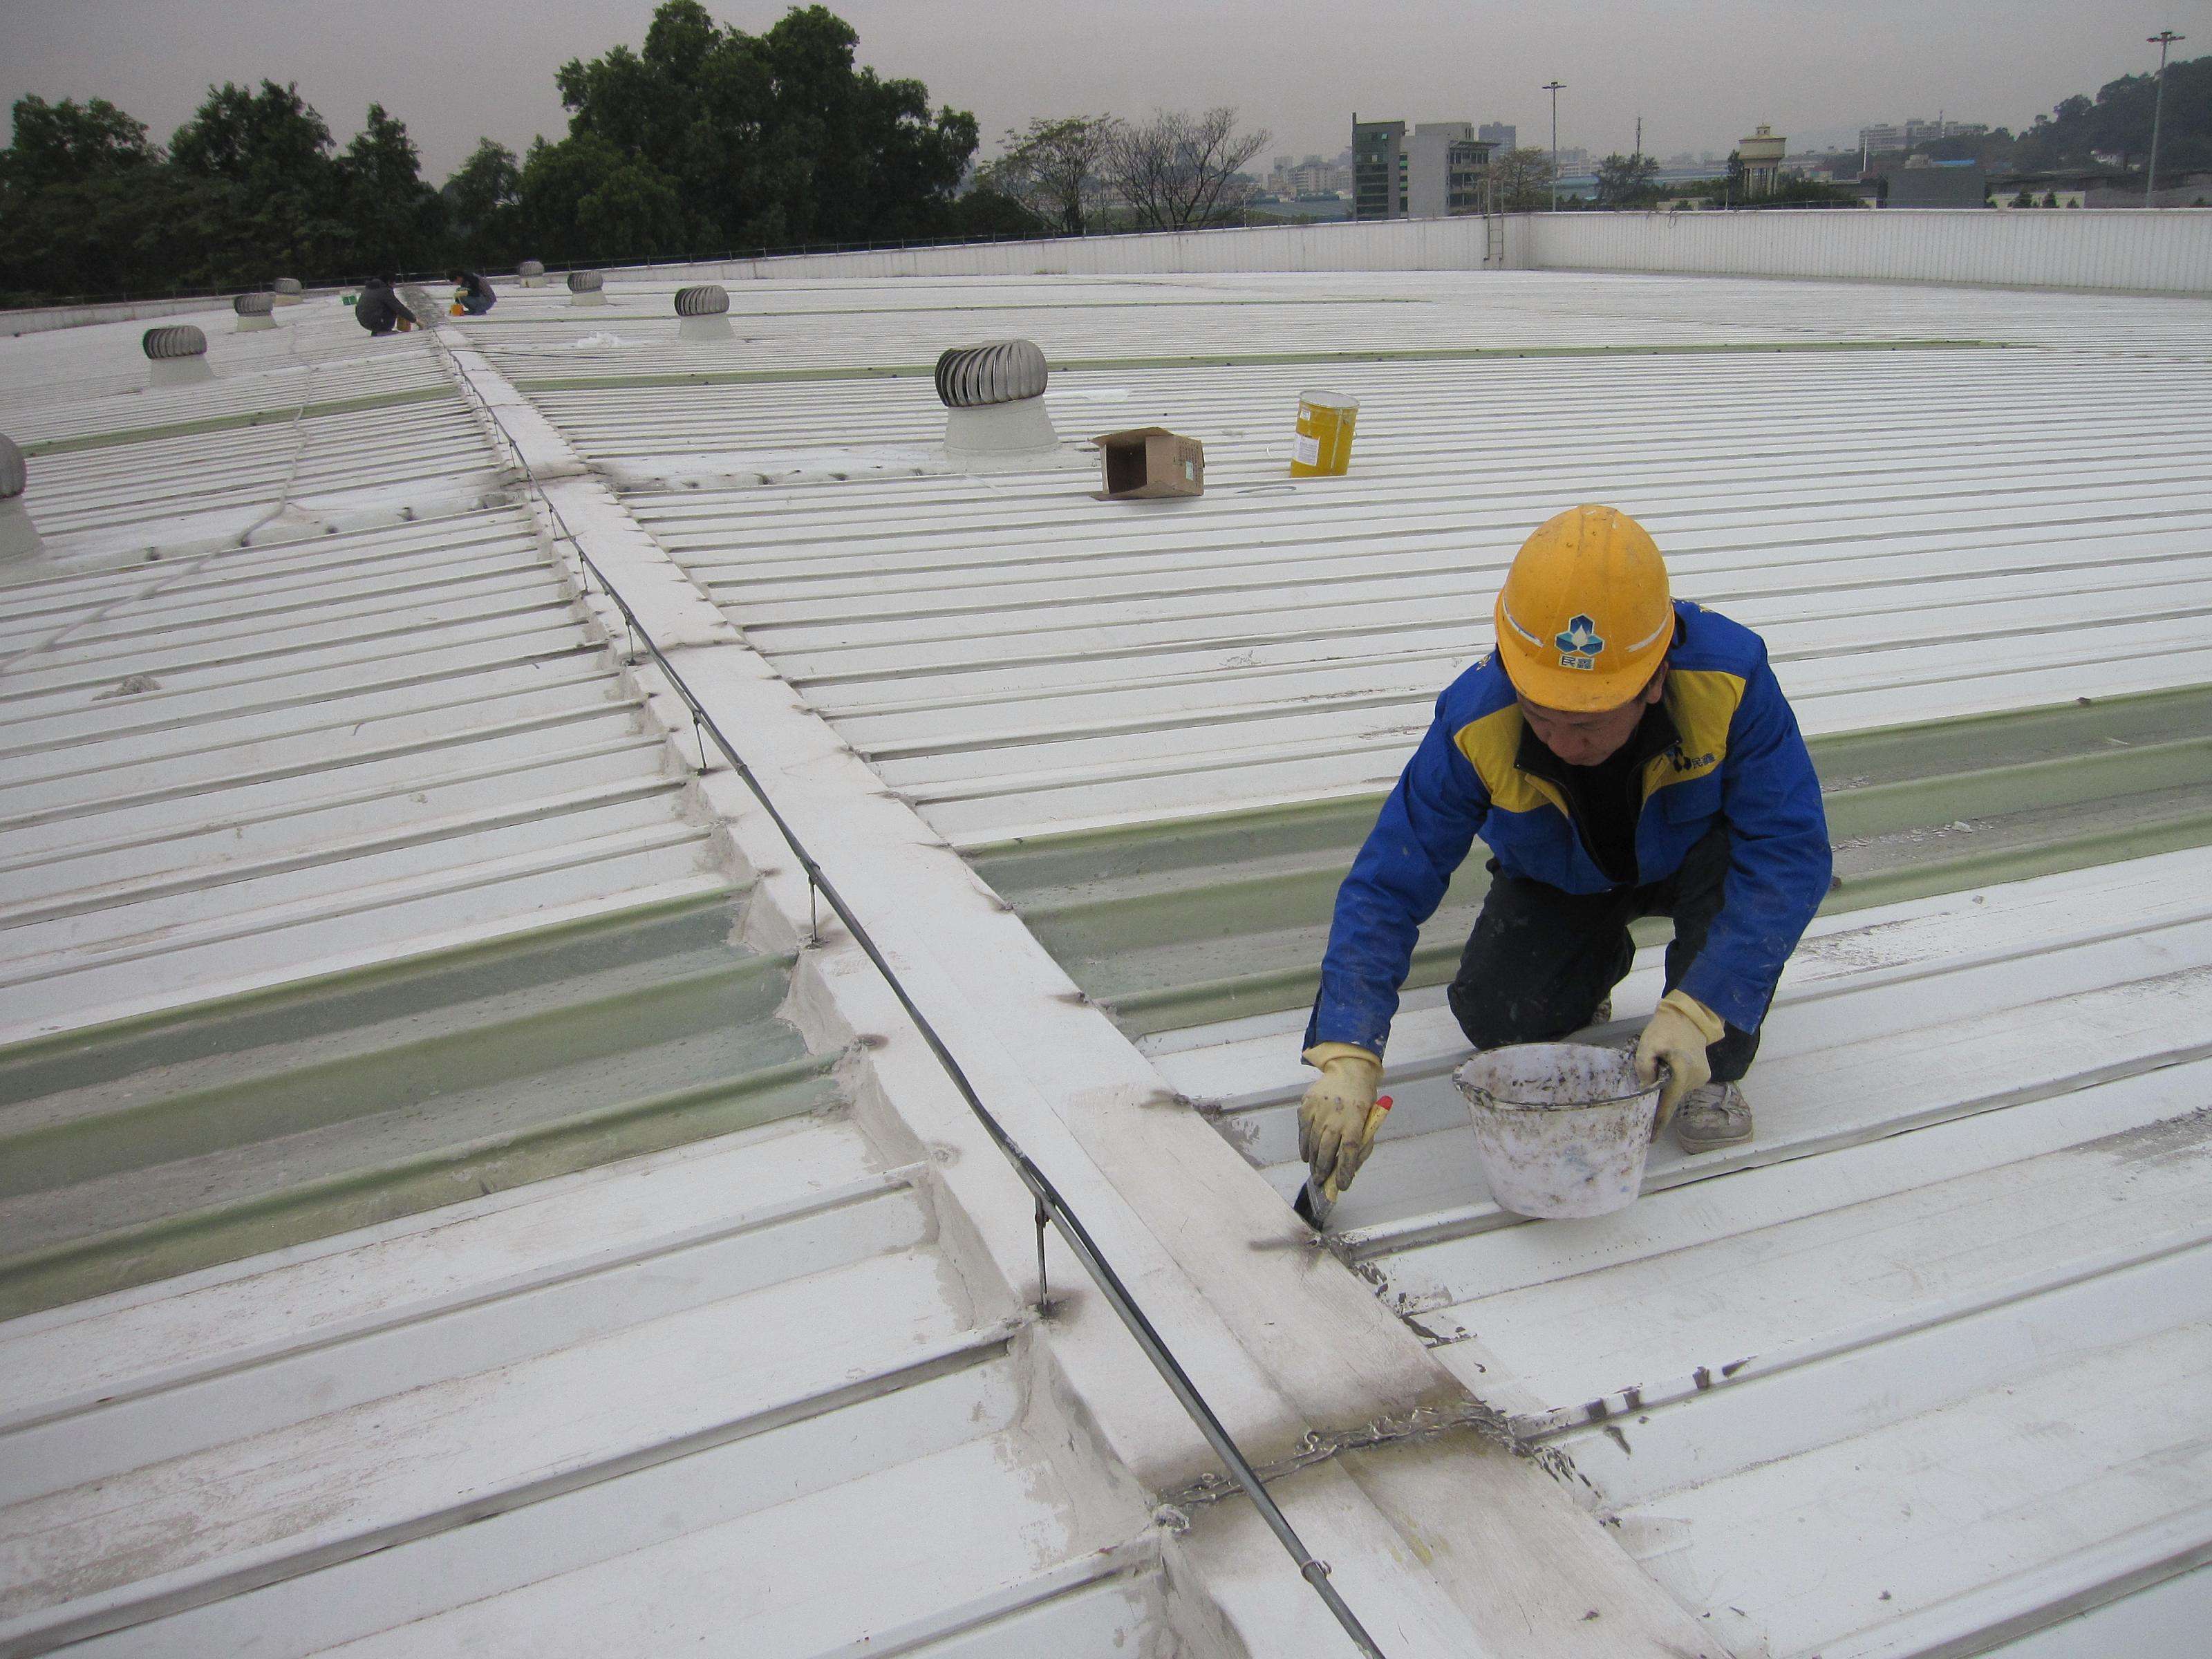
x,y
1314,1202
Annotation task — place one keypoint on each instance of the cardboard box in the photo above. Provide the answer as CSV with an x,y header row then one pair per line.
x,y
1148,461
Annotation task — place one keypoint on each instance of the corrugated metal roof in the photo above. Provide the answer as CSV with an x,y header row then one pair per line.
x,y
1896,1312
1894,1358
353,908
440,881
1018,657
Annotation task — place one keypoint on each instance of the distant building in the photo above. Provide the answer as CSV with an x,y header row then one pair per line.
x,y
1501,135
1915,132
1761,154
2189,189
1378,169
1940,184
1437,170
1446,164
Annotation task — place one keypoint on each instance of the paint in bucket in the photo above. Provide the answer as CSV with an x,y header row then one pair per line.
x,y
1323,448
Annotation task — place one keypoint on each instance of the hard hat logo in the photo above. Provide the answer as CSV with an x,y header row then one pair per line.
x,y
1599,568
1580,640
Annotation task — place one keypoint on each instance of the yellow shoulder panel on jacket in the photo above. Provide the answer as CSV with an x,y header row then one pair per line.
x,y
1490,746
1703,701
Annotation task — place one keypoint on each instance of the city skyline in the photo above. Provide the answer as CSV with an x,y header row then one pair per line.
x,y
1699,77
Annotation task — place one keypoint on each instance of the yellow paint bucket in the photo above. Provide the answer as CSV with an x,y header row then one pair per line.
x,y
1323,448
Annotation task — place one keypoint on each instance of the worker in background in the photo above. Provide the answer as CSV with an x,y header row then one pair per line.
x,y
379,309
471,293
1623,753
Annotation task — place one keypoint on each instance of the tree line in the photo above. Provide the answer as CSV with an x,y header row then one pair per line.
x,y
703,140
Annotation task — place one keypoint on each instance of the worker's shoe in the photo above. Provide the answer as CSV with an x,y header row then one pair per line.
x,y
1713,1117
1601,1015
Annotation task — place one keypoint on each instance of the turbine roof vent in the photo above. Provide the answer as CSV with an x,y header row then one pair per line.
x,y
530,268
286,285
586,281
975,377
184,340
254,305
709,299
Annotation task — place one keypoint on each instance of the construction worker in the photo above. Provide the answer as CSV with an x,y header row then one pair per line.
x,y
1623,753
379,309
471,293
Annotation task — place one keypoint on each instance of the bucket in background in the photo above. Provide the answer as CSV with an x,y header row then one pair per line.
x,y
1561,1129
1323,448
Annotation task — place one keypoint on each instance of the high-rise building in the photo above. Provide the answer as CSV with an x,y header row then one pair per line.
x,y
1499,134
1378,169
1439,169
1447,163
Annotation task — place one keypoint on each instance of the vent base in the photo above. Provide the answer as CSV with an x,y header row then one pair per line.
x,y
596,296
179,371
254,325
703,328
19,537
1021,427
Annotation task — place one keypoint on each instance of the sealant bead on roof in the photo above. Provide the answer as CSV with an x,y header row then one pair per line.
x,y
530,268
13,473
286,285
584,281
973,377
708,299
180,340
254,305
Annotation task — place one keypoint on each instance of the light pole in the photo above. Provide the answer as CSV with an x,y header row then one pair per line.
x,y
1555,88
2162,40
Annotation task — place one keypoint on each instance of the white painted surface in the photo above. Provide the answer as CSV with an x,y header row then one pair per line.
x,y
2153,249
2160,249
256,764
1918,533
980,1507
1888,1387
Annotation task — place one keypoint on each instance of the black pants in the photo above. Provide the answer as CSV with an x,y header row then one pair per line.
x,y
1539,960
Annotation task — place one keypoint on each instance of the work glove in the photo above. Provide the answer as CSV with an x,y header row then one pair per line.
x,y
1676,1037
1333,1119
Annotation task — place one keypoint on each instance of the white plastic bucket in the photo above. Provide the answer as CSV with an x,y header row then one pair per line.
x,y
1560,1129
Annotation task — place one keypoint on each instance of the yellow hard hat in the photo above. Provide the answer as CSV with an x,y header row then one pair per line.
x,y
1584,618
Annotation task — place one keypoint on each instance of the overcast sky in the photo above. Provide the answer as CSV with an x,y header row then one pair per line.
x,y
1701,74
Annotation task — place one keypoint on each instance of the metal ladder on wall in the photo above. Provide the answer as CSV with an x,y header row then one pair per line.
x,y
1493,228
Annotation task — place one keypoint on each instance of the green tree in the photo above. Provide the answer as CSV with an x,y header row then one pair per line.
x,y
68,142
983,212
1626,181
1523,179
484,199
2118,122
632,213
762,140
276,207
394,222
1054,167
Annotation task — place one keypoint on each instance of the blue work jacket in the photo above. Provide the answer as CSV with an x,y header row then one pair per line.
x,y
1738,760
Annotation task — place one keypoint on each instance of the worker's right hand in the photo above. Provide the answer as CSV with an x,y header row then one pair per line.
x,y
1333,1117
